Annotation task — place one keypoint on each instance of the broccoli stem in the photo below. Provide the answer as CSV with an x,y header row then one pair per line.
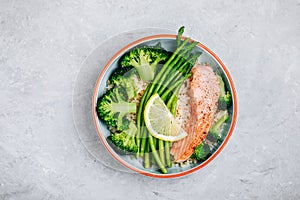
x,y
146,72
217,125
124,107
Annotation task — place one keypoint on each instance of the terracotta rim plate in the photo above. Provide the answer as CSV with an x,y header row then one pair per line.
x,y
167,41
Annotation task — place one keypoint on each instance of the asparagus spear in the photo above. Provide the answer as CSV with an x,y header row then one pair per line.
x,y
167,84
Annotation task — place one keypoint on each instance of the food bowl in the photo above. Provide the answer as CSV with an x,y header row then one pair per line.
x,y
168,42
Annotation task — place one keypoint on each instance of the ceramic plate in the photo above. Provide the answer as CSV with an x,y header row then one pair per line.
x,y
168,42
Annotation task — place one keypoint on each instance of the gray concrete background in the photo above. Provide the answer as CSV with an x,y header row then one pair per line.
x,y
42,47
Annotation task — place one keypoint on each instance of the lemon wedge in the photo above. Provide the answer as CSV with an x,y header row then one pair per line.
x,y
160,122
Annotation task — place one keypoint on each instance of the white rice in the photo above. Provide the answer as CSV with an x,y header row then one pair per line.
x,y
183,105
140,87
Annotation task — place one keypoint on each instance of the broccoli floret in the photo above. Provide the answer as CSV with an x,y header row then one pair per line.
x,y
120,72
122,78
144,60
112,109
125,140
202,152
225,96
214,131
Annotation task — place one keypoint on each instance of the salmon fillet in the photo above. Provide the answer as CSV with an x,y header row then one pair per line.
x,y
204,94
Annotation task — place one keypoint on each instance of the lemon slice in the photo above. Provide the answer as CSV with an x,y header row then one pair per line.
x,y
160,122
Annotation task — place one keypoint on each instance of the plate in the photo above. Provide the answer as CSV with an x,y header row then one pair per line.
x,y
168,42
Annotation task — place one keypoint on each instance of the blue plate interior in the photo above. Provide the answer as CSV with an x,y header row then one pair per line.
x,y
169,45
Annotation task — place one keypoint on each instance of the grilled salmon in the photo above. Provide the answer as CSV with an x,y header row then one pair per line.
x,y
204,93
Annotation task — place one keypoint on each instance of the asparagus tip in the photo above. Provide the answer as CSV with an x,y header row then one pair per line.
x,y
181,30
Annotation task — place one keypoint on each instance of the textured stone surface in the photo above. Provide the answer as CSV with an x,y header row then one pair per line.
x,y
42,46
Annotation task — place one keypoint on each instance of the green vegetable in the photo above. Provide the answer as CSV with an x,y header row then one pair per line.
x,y
166,83
112,109
202,152
144,60
156,156
122,78
115,104
214,131
125,140
225,96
